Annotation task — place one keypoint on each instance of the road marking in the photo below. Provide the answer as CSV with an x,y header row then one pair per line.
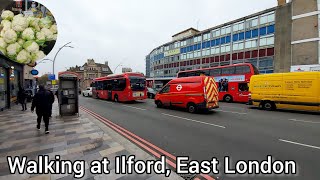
x,y
233,112
193,120
303,121
134,107
306,145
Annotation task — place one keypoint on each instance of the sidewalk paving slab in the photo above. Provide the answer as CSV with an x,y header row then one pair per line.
x,y
73,138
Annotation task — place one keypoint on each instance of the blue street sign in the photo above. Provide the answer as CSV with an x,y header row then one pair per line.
x,y
51,77
34,72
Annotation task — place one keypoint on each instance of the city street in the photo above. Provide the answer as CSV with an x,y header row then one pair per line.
x,y
232,130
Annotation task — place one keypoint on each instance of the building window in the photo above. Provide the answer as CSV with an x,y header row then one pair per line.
x,y
217,32
208,52
213,50
263,31
254,22
241,36
263,19
251,43
223,49
270,40
228,30
227,48
270,29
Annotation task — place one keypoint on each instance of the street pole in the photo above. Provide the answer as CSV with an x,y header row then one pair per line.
x,y
117,67
54,59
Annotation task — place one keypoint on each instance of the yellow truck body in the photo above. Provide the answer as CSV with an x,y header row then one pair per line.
x,y
294,90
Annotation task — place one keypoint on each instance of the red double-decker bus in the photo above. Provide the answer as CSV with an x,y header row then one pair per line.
x,y
120,88
232,80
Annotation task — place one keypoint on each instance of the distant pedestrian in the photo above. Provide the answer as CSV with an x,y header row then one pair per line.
x,y
22,98
42,102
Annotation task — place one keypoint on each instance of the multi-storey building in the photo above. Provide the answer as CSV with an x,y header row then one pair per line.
x,y
89,71
273,40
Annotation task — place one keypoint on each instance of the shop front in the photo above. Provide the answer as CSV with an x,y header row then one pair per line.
x,y
10,81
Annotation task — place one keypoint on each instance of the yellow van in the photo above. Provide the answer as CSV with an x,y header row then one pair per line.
x,y
294,90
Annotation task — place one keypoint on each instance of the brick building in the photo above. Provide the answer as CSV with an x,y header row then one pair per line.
x,y
89,71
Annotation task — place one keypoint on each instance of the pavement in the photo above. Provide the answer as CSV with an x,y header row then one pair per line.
x,y
233,130
73,138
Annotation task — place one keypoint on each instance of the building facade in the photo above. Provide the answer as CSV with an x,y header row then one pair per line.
x,y
89,71
126,69
11,78
273,40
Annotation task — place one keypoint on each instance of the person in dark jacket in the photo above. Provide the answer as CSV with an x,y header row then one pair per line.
x,y
51,101
22,98
42,103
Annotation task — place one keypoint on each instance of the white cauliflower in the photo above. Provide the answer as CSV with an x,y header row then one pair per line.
x,y
10,36
2,33
54,29
28,34
34,22
40,38
45,22
48,34
55,36
37,55
21,41
7,15
6,24
31,46
24,57
3,43
19,23
12,50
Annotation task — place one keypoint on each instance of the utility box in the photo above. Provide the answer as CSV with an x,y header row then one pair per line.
x,y
68,94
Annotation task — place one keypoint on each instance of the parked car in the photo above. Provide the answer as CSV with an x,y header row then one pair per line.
x,y
151,93
87,92
193,93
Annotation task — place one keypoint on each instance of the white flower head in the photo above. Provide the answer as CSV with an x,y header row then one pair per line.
x,y
31,46
28,34
24,57
13,50
7,15
19,23
10,36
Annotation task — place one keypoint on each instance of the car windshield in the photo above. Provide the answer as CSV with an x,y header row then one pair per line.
x,y
137,83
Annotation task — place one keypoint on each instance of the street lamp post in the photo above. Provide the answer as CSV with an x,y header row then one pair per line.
x,y
120,64
54,59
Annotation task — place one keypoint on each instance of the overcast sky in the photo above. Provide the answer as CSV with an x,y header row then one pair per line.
x,y
125,31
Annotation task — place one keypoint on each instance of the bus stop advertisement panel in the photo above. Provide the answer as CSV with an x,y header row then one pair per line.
x,y
68,94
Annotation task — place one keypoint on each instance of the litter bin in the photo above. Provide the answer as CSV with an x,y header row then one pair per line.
x,y
68,94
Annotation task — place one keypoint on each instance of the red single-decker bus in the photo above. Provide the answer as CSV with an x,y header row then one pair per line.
x,y
122,87
232,80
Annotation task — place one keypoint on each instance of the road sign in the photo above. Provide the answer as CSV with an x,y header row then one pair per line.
x,y
51,77
34,72
53,82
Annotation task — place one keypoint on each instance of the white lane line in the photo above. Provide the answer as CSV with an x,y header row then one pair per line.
x,y
233,112
306,145
193,120
134,107
303,121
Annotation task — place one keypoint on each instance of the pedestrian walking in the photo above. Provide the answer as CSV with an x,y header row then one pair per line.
x,y
42,102
22,98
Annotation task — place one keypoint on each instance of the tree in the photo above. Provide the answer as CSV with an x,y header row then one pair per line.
x,y
43,79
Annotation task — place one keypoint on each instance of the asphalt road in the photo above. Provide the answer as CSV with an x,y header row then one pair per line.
x,y
233,130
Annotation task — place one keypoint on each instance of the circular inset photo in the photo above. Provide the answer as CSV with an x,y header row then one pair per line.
x,y
28,31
